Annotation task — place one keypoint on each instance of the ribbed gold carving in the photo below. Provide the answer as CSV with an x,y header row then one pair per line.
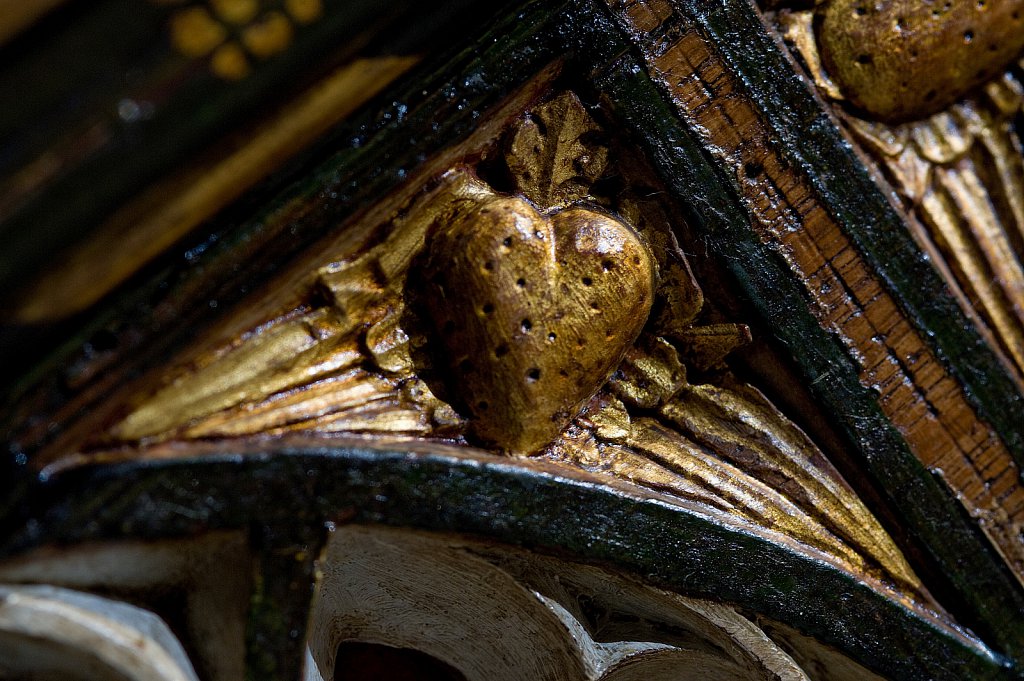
x,y
553,320
958,171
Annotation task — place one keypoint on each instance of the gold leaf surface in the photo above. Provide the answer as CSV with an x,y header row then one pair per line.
x,y
553,155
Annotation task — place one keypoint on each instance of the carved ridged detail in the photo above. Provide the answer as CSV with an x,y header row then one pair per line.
x,y
959,174
362,357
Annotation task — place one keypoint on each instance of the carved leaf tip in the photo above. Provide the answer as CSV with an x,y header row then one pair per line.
x,y
555,155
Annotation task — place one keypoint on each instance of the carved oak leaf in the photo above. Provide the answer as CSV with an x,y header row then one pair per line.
x,y
554,156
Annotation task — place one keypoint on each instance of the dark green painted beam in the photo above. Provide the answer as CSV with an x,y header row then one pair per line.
x,y
775,295
293,489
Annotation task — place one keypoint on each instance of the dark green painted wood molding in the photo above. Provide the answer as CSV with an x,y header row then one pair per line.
x,y
494,499
812,141
927,506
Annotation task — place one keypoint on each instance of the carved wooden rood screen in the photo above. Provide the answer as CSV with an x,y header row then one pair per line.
x,y
598,339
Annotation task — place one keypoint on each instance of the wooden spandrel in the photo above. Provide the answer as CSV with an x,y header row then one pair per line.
x,y
606,281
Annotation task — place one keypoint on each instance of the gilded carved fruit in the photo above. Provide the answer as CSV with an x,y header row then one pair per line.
x,y
532,313
906,59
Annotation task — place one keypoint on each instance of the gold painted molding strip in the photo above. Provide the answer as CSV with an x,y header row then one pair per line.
x,y
169,210
18,15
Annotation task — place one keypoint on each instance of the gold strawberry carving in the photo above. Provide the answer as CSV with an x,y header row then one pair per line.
x,y
532,313
907,59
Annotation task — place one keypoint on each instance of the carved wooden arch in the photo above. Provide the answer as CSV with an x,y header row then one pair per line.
x,y
609,288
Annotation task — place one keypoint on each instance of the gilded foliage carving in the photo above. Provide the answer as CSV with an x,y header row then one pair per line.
x,y
555,154
558,320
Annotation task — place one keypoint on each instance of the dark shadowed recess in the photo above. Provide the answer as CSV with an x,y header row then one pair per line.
x,y
357,661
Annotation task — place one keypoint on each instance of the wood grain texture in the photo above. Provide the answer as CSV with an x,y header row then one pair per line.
x,y
797,595
325,482
914,390
959,174
542,618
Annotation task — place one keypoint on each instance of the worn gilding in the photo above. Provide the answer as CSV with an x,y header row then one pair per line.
x,y
532,313
523,323
905,59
